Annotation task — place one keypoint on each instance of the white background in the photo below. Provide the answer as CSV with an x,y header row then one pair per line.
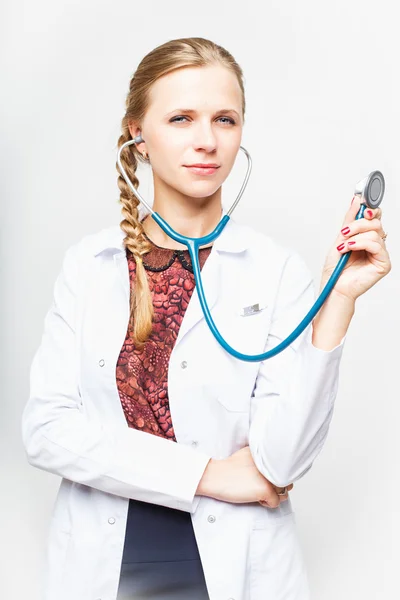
x,y
323,97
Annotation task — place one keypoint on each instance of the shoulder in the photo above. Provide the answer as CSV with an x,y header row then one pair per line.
x,y
273,265
93,243
266,247
80,256
278,262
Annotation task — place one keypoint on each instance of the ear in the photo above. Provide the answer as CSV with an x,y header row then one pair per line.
x,y
134,129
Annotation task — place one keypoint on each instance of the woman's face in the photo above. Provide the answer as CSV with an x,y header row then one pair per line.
x,y
195,116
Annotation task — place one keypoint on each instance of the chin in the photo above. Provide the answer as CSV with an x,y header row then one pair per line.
x,y
201,188
200,191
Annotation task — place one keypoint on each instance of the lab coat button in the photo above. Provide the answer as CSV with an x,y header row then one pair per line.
x,y
211,519
184,364
111,520
102,362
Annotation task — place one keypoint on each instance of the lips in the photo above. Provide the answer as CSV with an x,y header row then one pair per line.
x,y
204,165
203,168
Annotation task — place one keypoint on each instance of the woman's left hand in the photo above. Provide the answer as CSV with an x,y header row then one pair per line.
x,y
282,498
369,260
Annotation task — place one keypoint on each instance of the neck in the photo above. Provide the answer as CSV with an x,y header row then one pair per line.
x,y
189,216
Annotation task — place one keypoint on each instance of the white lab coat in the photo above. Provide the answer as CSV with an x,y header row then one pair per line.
x,y
73,424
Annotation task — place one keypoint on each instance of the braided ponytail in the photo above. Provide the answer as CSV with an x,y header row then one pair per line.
x,y
141,305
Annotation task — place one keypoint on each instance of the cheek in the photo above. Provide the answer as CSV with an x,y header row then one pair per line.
x,y
166,160
235,162
163,145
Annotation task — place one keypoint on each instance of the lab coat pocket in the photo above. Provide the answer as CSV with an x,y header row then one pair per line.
x,y
249,326
276,562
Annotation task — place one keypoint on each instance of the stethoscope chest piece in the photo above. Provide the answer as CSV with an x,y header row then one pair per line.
x,y
371,189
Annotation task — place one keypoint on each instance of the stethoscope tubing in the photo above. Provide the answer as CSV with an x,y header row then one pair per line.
x,y
193,245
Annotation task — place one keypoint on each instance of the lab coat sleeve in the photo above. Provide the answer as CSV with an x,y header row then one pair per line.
x,y
294,393
59,437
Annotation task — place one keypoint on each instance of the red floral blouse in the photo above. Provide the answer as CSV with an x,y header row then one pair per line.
x,y
142,374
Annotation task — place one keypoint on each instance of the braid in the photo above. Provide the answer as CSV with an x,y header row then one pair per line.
x,y
141,305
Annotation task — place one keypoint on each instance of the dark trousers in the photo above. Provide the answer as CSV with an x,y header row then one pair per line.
x,y
160,559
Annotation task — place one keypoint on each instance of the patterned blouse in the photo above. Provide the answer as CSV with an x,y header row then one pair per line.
x,y
142,374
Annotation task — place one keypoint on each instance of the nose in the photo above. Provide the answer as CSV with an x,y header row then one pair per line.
x,y
204,138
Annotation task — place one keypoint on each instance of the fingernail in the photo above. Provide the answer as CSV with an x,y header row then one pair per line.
x,y
351,243
345,231
370,213
352,200
340,247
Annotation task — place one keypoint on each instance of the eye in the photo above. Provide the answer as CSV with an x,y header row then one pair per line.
x,y
174,119
231,121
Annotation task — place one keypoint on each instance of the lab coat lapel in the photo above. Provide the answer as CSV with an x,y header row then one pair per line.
x,y
234,238
210,275
121,264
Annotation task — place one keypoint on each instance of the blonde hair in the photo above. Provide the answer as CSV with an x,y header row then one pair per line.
x,y
174,54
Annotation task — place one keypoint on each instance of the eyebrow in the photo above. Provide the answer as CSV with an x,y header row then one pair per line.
x,y
190,110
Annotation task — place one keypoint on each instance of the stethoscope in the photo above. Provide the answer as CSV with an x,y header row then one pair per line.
x,y
370,190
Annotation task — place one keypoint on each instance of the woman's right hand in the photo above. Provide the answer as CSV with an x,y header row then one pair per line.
x,y
236,479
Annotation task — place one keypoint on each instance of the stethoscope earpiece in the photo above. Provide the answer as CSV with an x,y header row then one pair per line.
x,y
138,139
371,189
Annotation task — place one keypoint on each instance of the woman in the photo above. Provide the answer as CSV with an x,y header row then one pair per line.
x,y
176,458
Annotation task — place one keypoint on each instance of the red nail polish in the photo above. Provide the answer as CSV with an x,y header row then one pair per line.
x,y
351,243
370,213
352,200
340,247
345,231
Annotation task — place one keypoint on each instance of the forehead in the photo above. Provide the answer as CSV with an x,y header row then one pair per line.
x,y
212,87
